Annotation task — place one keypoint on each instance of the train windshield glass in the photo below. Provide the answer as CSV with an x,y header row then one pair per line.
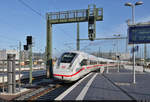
x,y
67,57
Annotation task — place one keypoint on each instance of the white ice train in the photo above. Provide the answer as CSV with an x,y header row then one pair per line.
x,y
75,64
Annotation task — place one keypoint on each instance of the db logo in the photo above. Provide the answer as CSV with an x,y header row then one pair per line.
x,y
63,66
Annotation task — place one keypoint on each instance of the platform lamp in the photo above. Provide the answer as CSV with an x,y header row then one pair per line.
x,y
133,17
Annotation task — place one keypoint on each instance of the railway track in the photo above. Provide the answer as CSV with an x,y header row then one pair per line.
x,y
44,91
39,90
26,80
48,89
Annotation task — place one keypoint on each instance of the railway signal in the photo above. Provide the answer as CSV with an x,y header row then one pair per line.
x,y
91,22
29,40
25,47
28,46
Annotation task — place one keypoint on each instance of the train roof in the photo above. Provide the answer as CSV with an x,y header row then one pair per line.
x,y
78,52
92,56
84,54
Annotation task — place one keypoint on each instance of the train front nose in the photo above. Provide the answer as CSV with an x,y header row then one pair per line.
x,y
62,72
63,68
61,75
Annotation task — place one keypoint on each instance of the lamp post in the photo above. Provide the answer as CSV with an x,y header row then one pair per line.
x,y
133,17
117,35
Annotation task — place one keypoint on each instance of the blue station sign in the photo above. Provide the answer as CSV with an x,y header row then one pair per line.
x,y
139,34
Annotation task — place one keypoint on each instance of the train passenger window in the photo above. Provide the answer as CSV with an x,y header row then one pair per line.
x,y
103,62
93,62
84,62
67,57
90,62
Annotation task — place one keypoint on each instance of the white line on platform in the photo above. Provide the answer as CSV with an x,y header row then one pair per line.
x,y
85,89
60,97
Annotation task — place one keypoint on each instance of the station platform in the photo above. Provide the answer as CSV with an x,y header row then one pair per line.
x,y
110,86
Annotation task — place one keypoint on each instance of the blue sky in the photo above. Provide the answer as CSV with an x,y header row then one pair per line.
x,y
17,21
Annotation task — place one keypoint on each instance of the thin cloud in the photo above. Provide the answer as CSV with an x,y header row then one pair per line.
x,y
144,19
122,28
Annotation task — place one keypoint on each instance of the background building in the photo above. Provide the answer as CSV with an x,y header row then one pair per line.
x,y
3,54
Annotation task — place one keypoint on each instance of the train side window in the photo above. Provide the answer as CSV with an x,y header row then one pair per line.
x,y
91,62
111,62
103,62
83,62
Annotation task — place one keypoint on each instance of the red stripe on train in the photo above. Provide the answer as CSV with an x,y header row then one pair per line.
x,y
81,70
77,72
69,75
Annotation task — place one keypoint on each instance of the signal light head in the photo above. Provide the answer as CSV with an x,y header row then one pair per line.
x,y
29,40
25,47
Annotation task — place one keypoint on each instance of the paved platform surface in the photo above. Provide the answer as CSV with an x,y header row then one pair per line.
x,y
110,86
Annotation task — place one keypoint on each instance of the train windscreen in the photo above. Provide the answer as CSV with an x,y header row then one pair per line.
x,y
67,57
